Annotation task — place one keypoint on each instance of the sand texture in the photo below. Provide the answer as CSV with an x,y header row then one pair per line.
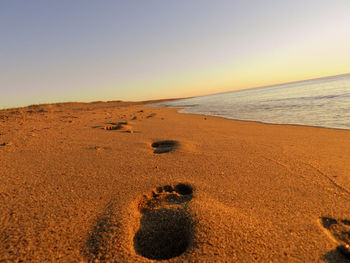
x,y
124,182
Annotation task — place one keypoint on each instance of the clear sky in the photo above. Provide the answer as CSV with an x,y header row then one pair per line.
x,y
88,50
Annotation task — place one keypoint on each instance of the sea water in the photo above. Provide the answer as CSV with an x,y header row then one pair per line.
x,y
319,102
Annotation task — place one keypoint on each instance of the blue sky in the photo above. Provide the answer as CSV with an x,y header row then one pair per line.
x,y
53,51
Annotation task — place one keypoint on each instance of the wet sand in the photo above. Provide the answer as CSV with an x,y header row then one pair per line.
x,y
123,182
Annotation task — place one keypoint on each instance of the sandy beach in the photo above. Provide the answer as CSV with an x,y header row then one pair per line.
x,y
124,182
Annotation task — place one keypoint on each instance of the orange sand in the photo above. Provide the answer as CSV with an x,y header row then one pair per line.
x,y
219,191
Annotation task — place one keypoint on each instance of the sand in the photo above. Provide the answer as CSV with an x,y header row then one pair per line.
x,y
162,185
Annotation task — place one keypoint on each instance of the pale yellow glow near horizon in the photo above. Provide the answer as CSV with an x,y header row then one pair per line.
x,y
315,58
249,75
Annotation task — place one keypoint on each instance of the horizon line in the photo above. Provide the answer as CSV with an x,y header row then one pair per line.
x,y
275,84
180,98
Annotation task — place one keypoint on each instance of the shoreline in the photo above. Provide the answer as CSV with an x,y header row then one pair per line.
x,y
261,122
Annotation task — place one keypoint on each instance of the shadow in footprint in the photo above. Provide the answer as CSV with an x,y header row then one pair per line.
x,y
334,256
339,229
165,146
165,227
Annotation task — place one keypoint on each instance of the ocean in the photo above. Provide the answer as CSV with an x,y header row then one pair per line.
x,y
321,102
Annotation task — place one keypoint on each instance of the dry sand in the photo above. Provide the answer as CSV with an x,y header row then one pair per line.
x,y
209,190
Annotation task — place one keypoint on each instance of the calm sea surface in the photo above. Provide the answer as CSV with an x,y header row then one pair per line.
x,y
321,102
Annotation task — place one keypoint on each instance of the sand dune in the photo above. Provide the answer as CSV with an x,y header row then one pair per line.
x,y
179,188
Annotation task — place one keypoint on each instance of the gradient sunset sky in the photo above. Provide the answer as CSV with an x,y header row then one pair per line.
x,y
82,50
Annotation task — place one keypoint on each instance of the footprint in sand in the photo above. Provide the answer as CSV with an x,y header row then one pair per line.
x,y
122,126
165,146
340,231
151,115
165,226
